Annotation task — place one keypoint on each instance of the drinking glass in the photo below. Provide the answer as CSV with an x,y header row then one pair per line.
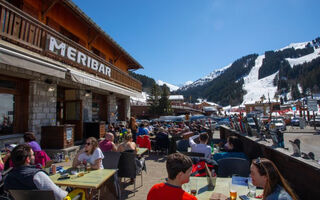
x,y
193,185
252,188
233,191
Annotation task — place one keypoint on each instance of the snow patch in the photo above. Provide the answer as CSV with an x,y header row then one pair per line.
x,y
307,58
255,87
207,78
170,86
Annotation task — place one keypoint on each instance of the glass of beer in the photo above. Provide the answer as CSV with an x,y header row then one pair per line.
x,y
193,187
233,191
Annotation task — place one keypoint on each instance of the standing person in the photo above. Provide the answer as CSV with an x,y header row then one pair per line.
x,y
265,174
107,144
26,177
142,130
91,154
202,147
134,128
179,168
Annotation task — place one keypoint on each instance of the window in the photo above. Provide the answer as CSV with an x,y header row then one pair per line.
x,y
13,105
6,113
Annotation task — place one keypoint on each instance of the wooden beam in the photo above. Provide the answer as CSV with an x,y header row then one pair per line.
x,y
117,58
92,39
45,11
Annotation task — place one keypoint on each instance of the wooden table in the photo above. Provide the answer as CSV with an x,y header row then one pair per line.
x,y
141,151
93,179
222,186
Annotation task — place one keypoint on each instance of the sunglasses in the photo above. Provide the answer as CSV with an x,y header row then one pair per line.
x,y
88,143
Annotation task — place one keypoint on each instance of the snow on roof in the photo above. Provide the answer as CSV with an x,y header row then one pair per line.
x,y
142,100
209,109
176,97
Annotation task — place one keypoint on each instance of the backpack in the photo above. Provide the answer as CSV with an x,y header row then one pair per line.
x,y
199,169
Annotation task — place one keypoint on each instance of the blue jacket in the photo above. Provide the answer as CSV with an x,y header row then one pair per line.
x,y
279,194
221,155
142,131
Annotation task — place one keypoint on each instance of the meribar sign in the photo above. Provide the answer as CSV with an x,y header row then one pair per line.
x,y
73,54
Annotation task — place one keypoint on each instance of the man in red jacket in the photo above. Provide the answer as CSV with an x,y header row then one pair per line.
x,y
179,168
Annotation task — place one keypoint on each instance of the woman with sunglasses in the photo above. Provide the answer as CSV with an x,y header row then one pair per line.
x,y
265,174
91,154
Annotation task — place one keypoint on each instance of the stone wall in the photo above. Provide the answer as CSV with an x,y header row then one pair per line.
x,y
86,105
42,106
112,108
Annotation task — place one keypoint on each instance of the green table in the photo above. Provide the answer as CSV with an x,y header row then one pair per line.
x,y
93,179
222,186
141,151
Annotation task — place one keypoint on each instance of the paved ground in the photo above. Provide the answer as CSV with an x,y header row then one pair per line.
x,y
310,142
156,173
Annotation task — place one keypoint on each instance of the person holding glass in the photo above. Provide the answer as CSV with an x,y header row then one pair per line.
x,y
91,154
265,174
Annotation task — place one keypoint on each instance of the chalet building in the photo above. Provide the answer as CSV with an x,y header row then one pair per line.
x,y
58,67
263,107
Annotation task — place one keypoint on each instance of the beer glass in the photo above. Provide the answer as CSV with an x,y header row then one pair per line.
x,y
233,191
193,184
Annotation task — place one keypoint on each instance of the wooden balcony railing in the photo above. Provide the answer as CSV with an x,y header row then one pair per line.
x,y
20,28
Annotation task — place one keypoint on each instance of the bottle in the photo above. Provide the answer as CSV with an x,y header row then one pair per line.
x,y
82,166
54,169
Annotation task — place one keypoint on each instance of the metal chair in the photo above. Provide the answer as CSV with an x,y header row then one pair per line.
x,y
233,166
127,167
193,154
111,160
162,142
182,145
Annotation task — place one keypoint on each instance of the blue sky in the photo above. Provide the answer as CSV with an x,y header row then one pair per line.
x,y
182,40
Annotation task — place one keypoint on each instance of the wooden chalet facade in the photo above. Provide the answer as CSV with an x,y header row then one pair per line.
x,y
58,67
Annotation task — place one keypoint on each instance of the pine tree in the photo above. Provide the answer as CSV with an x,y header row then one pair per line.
x,y
154,99
164,103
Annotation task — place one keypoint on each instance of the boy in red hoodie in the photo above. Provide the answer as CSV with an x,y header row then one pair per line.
x,y
179,168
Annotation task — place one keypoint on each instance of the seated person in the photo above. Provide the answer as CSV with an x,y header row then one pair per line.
x,y
91,154
128,145
265,174
41,157
30,139
107,144
202,147
233,147
179,168
26,177
162,139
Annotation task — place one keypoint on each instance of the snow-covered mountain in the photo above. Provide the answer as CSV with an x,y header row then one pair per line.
x,y
253,87
205,79
170,86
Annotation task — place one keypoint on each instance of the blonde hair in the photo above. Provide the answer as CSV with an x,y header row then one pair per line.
x,y
94,143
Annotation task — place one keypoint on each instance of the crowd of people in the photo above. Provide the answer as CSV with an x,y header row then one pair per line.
x,y
125,138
